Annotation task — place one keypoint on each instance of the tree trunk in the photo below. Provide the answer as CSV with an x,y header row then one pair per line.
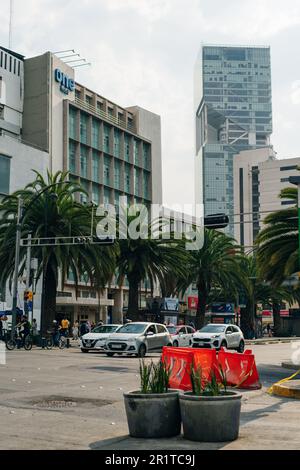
x,y
200,314
48,300
276,319
133,298
247,325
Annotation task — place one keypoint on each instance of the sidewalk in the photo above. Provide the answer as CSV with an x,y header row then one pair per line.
x,y
272,340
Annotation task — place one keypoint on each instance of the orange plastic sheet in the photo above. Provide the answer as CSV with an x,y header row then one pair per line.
x,y
240,369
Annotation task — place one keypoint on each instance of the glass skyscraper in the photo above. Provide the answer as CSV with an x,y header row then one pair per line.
x,y
233,111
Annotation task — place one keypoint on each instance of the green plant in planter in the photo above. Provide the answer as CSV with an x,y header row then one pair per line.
x,y
154,377
211,387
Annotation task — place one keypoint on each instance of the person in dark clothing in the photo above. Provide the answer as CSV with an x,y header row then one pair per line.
x,y
84,328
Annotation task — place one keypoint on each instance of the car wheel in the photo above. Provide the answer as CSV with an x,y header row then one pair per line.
x,y
223,344
142,351
110,354
84,350
241,347
175,344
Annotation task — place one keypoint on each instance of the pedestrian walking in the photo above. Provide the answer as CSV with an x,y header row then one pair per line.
x,y
34,330
83,328
75,331
65,325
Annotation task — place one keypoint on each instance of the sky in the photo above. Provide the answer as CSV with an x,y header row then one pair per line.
x,y
143,53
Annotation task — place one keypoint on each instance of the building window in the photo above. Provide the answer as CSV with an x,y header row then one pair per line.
x,y
4,174
95,167
106,196
106,139
83,162
287,203
95,194
117,175
127,148
88,100
136,152
83,128
95,133
84,197
72,157
146,156
106,171
136,182
127,179
117,143
287,168
146,186
72,123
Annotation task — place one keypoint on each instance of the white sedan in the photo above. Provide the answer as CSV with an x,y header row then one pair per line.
x,y
219,336
95,340
181,335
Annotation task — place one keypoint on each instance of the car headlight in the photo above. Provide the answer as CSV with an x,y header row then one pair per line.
x,y
216,336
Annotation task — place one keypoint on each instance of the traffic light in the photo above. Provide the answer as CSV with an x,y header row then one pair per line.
x,y
28,296
215,221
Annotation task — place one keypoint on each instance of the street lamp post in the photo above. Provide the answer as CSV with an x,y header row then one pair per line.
x,y
296,181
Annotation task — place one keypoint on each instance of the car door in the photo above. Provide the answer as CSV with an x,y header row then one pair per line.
x,y
236,336
229,337
162,336
190,332
182,337
151,341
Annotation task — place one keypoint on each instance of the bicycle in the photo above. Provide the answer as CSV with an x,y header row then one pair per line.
x,y
17,342
50,343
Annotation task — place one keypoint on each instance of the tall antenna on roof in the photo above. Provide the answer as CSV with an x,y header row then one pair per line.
x,y
11,15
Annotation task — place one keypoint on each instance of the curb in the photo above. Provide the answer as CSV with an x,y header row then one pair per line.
x,y
274,341
290,365
289,389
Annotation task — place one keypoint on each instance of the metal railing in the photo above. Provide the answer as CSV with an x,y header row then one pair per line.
x,y
108,117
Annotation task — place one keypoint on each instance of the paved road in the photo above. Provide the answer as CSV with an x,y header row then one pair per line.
x,y
69,400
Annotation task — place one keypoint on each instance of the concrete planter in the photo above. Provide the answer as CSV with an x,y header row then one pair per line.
x,y
210,419
153,415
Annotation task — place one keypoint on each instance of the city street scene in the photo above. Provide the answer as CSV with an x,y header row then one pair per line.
x,y
149,228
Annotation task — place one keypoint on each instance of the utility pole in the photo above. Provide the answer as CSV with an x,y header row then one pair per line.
x,y
16,271
28,267
11,16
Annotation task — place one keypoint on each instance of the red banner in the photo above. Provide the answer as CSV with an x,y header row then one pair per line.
x,y
192,303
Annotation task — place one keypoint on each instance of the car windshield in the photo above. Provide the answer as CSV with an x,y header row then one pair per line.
x,y
212,329
132,328
105,329
172,329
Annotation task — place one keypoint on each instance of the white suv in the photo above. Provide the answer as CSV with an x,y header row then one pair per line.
x,y
219,336
95,340
138,338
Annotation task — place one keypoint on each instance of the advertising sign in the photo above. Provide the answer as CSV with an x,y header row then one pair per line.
x,y
193,302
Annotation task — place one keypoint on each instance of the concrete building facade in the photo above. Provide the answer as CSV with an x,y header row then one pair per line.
x,y
17,157
110,150
258,179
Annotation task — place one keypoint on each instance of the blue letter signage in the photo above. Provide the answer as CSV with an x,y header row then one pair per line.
x,y
66,84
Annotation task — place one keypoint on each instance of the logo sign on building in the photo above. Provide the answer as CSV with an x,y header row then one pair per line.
x,y
192,302
67,84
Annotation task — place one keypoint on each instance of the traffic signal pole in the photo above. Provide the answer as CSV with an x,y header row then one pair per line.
x,y
28,268
16,271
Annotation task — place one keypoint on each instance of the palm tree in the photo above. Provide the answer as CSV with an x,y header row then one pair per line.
x,y
152,259
277,243
213,266
50,210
